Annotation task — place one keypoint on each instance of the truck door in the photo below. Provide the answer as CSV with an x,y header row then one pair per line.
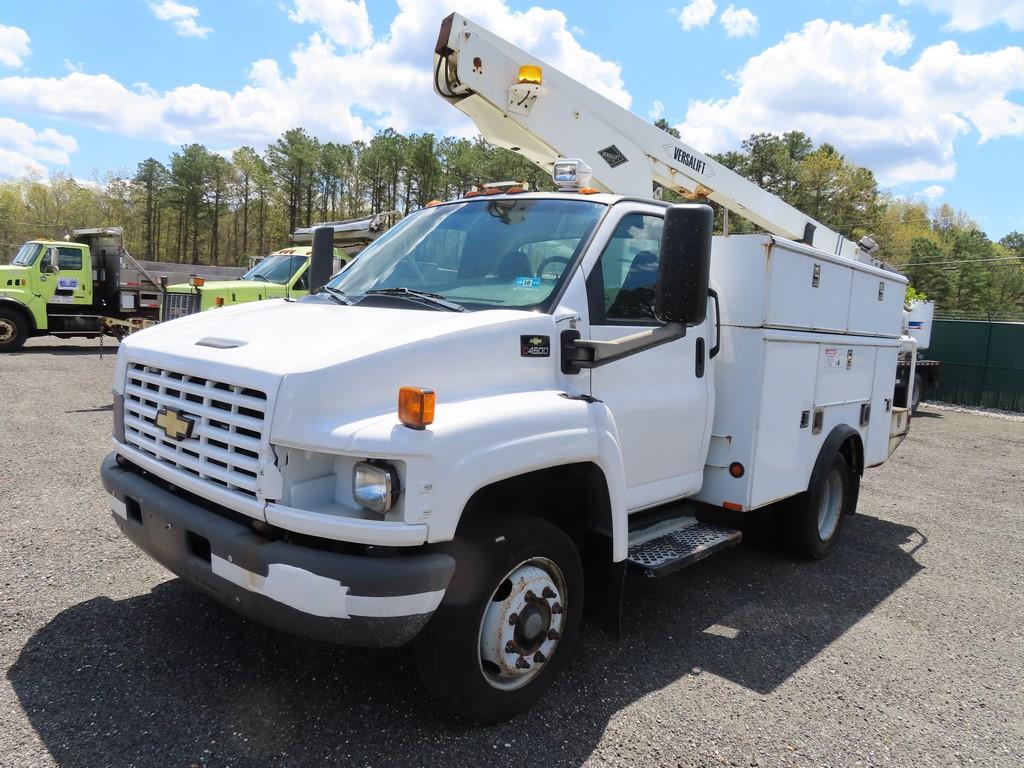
x,y
72,282
661,398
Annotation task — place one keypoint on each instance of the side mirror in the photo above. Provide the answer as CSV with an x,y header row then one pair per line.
x,y
684,265
321,258
50,262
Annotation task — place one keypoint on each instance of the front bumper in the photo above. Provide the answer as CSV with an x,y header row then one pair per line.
x,y
342,598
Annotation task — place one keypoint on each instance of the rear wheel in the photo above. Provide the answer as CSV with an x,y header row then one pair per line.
x,y
508,621
13,330
813,520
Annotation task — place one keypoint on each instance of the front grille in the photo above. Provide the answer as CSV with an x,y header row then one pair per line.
x,y
179,305
226,444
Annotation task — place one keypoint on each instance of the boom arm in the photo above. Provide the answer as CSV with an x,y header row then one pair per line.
x,y
479,73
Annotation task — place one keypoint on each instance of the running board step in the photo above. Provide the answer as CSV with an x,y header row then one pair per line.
x,y
679,548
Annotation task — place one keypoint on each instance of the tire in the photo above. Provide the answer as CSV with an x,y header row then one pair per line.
x,y
813,520
516,579
918,392
13,330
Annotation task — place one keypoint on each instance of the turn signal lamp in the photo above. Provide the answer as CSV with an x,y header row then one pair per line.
x,y
219,301
196,282
416,407
530,74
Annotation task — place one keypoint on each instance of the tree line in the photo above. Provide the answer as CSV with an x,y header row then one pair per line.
x,y
201,206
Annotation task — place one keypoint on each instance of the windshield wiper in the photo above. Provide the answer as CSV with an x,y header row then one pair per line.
x,y
336,295
260,277
431,298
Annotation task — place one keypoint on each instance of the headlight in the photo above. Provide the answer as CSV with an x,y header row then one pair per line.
x,y
374,486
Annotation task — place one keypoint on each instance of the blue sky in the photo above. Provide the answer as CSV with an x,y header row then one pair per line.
x,y
927,93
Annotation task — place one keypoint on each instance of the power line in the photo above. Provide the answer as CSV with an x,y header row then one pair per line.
x,y
1019,259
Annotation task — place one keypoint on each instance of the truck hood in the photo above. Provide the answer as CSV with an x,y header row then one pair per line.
x,y
323,358
10,272
221,286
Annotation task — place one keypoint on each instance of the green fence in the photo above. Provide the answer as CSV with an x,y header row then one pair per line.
x,y
982,363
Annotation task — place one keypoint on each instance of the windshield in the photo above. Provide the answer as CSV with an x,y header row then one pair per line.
x,y
481,254
27,255
276,269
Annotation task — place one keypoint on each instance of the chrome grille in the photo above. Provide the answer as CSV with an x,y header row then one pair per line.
x,y
180,304
226,445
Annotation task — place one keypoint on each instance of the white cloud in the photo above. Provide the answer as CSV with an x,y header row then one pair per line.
x,y
336,95
13,46
657,110
933,191
25,150
971,15
184,18
697,14
839,88
739,22
346,22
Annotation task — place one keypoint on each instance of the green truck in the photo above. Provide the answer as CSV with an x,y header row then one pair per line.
x,y
282,274
85,286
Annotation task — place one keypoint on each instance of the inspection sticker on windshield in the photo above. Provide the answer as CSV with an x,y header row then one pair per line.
x,y
527,282
535,346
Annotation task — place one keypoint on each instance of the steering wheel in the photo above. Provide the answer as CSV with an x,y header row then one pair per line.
x,y
550,259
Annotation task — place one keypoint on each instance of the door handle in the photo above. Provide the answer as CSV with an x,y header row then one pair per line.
x,y
718,325
699,356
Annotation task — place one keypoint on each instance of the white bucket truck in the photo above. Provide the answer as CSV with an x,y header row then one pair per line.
x,y
468,437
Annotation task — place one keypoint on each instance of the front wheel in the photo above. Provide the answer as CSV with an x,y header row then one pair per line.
x,y
508,621
812,521
13,331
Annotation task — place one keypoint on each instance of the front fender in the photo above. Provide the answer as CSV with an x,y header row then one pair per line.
x,y
28,303
476,442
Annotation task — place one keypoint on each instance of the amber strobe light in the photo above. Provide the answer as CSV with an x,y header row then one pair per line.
x,y
736,469
416,407
530,73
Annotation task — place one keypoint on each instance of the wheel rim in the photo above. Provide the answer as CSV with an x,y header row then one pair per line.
x,y
831,505
7,330
522,624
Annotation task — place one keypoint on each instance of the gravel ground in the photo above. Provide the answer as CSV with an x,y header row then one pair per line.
x,y
904,648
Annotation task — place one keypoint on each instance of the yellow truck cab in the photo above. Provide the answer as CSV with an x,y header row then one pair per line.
x,y
282,274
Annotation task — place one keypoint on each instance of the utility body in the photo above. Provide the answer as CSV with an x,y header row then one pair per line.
x,y
509,401
86,286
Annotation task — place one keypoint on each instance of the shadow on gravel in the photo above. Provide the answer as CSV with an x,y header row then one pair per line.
x,y
172,679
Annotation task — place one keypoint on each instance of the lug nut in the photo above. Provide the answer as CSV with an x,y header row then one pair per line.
x,y
556,608
529,595
553,634
510,647
548,593
522,663
513,618
539,657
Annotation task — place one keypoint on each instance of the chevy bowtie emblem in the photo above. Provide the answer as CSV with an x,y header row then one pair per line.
x,y
174,425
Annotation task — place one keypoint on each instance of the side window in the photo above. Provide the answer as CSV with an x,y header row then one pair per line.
x,y
69,258
622,286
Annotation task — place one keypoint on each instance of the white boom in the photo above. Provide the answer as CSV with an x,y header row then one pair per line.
x,y
549,116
